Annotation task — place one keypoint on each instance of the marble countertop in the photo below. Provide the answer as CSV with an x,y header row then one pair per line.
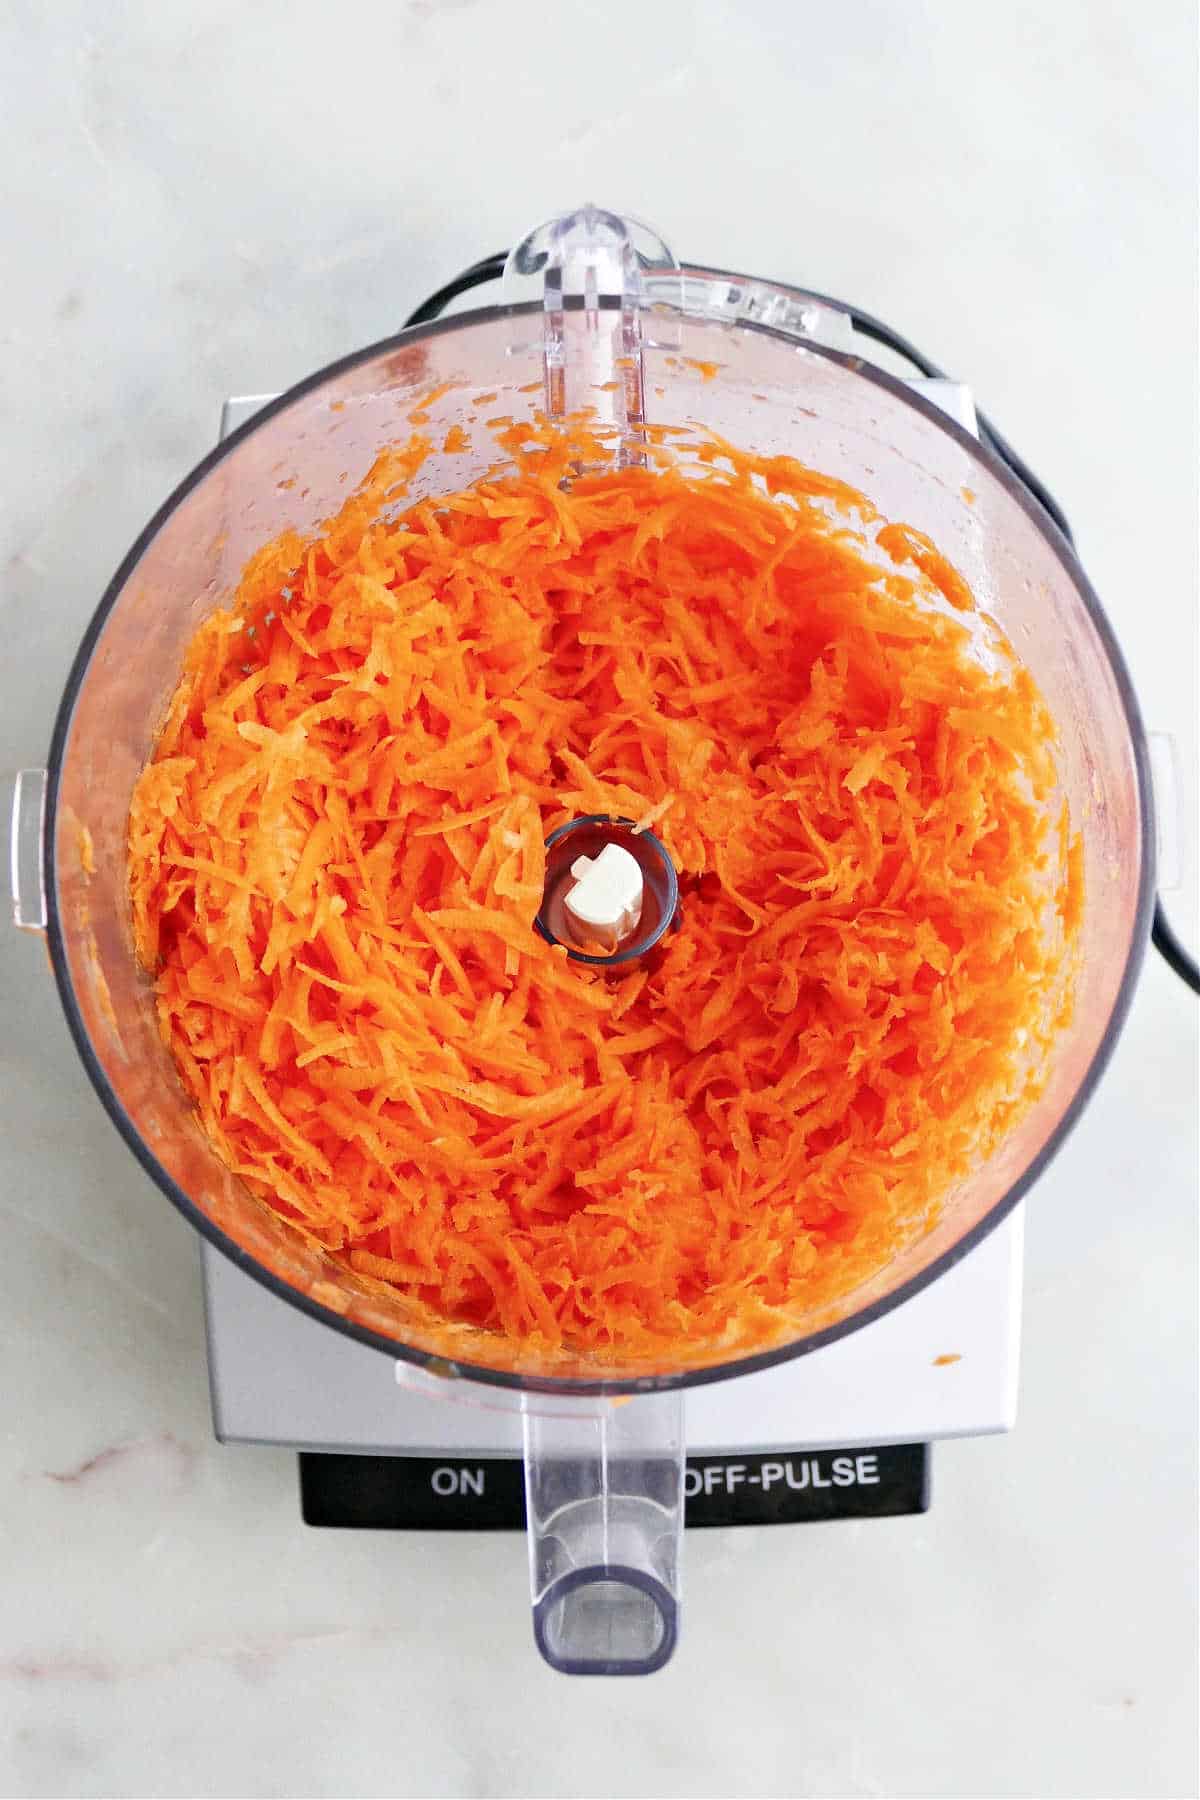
x,y
204,199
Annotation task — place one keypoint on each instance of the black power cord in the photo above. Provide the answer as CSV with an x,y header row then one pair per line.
x,y
1171,950
490,268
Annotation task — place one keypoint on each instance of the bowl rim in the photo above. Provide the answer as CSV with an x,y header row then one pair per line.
x,y
435,1362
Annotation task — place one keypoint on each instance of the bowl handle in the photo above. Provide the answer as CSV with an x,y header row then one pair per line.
x,y
604,1508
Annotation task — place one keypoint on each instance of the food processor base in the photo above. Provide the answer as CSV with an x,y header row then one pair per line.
x,y
841,1433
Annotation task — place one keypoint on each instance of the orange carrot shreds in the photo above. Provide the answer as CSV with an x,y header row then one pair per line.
x,y
336,858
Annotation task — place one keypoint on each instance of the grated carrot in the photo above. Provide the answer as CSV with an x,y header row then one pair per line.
x,y
336,858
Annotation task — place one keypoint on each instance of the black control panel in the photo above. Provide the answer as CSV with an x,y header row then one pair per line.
x,y
487,1493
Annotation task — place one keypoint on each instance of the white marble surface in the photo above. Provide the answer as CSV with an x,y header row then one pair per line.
x,y
212,197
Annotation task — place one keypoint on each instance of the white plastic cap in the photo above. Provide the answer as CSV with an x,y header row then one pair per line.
x,y
605,904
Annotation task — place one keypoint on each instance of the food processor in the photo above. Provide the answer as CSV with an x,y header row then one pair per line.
x,y
595,313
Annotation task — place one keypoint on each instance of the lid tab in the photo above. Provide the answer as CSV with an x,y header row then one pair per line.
x,y
592,266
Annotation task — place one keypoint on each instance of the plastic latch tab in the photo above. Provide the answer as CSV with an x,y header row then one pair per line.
x,y
1168,809
26,837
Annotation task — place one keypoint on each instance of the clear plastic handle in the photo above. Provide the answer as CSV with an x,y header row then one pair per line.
x,y
604,1504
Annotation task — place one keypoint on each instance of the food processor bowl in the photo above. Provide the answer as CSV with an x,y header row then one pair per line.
x,y
621,328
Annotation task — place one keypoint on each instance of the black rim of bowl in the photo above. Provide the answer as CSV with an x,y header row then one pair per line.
x,y
696,1377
